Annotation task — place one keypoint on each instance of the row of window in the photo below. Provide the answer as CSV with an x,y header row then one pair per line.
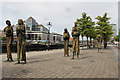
x,y
36,37
32,23
35,29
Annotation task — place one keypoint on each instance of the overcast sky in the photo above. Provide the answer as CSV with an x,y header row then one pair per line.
x,y
60,14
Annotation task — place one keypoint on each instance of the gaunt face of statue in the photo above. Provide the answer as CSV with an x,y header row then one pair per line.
x,y
65,30
8,23
20,22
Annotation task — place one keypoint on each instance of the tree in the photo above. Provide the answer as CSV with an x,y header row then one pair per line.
x,y
86,26
82,24
89,30
105,29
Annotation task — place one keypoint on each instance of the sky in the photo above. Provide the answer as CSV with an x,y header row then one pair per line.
x,y
62,14
59,0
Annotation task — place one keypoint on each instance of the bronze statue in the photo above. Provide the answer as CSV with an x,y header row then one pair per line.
x,y
21,41
99,39
66,37
9,36
75,35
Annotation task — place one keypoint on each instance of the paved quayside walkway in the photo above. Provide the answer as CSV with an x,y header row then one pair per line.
x,y
52,64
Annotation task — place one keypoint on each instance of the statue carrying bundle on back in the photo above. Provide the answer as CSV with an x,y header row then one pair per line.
x,y
75,35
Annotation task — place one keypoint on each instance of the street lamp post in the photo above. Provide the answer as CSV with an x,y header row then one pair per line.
x,y
49,25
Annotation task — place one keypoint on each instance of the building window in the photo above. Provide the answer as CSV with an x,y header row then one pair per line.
x,y
39,38
27,28
53,38
38,29
28,24
44,29
35,36
33,23
33,28
32,36
28,36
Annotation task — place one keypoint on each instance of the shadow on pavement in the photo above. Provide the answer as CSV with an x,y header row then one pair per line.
x,y
86,57
40,61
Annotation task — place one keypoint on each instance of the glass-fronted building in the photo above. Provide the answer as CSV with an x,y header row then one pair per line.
x,y
36,32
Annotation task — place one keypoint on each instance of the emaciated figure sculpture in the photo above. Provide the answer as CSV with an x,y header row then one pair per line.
x,y
75,35
21,41
66,37
99,39
9,36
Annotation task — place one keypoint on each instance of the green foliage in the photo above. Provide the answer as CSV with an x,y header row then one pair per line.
x,y
116,38
105,29
86,26
89,30
82,23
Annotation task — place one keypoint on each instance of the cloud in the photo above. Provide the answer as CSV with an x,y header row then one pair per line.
x,y
61,15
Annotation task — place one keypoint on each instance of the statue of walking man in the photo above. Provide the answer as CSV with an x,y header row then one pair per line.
x,y
75,35
66,37
21,41
9,36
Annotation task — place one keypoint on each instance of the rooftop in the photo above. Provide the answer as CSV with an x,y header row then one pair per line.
x,y
31,18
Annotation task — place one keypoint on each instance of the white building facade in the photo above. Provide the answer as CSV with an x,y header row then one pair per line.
x,y
37,32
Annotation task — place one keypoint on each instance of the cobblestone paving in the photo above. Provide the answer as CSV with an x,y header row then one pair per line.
x,y
52,64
